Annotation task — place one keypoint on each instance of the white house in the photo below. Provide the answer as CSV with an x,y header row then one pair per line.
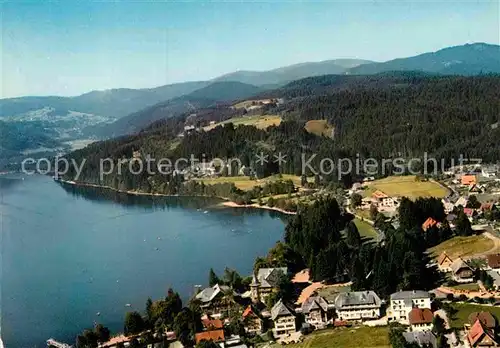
x,y
403,302
284,320
420,319
358,305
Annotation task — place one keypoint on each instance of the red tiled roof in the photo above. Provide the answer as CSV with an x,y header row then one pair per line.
x,y
484,317
212,324
469,179
469,211
247,311
493,260
477,333
215,336
430,222
420,316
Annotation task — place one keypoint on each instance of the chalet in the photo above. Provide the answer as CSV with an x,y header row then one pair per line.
x,y
253,320
468,180
402,302
215,300
444,262
480,336
422,338
214,336
429,223
383,200
358,305
284,320
315,311
420,319
493,262
461,272
265,282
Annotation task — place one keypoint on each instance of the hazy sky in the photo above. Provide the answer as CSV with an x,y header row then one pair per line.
x,y
72,47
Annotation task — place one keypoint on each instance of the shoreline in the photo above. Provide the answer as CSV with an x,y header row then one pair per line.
x,y
231,204
227,202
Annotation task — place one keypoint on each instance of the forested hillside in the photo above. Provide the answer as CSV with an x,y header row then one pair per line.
x,y
383,116
205,97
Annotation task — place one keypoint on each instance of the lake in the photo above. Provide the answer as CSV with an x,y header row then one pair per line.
x,y
71,252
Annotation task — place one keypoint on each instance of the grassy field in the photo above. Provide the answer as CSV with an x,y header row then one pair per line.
x,y
248,103
244,183
463,246
365,229
465,309
399,186
258,121
467,287
366,337
319,127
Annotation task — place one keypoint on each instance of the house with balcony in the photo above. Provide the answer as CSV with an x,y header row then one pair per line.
x,y
444,262
461,272
315,311
402,303
215,300
284,319
358,305
253,320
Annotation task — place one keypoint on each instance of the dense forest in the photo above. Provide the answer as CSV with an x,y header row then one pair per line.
x,y
382,116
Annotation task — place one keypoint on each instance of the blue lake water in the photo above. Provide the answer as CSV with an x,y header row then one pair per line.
x,y
68,253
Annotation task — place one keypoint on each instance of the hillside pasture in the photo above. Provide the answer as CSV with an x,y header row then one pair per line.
x,y
406,186
258,121
319,128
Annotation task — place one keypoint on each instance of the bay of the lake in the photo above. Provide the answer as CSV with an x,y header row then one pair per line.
x,y
69,253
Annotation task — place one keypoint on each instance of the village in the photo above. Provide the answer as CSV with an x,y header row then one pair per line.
x,y
463,311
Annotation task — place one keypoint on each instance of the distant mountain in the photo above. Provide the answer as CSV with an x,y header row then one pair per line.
x,y
469,59
110,103
281,76
201,98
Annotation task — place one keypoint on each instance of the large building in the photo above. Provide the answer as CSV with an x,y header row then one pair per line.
x,y
403,302
215,300
358,305
265,282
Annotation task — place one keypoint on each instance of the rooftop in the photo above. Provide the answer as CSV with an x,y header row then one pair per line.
x,y
421,338
420,316
208,294
357,298
280,309
215,335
